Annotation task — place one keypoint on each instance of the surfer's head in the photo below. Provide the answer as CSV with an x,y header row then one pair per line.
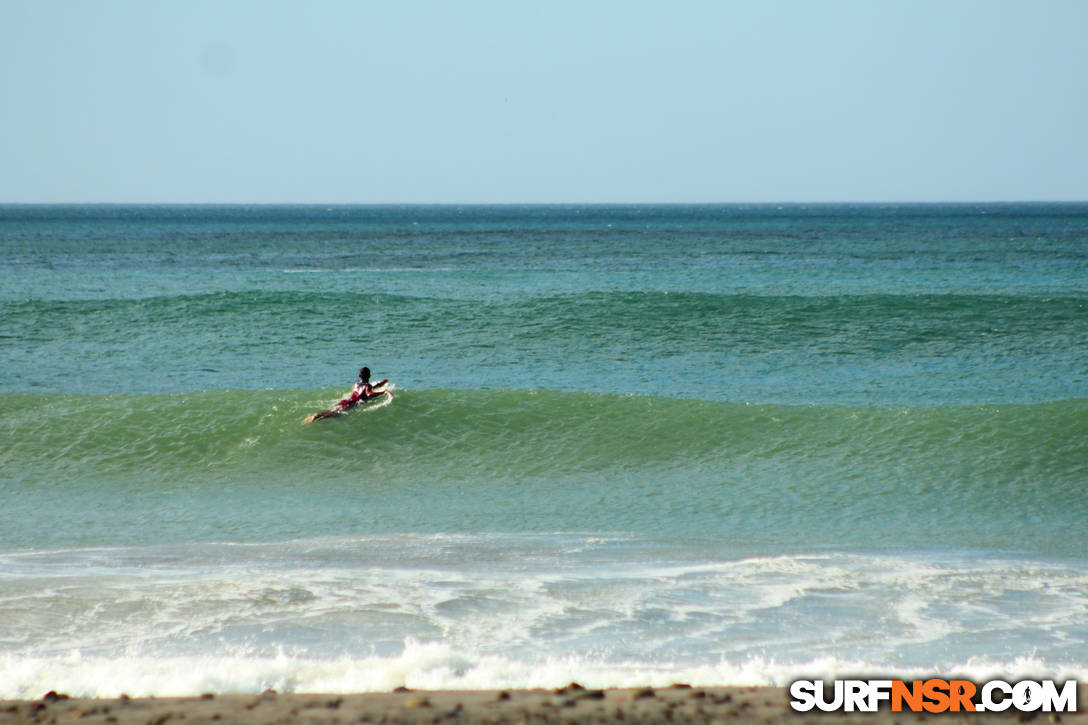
x,y
364,374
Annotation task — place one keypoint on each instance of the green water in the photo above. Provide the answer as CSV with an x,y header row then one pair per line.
x,y
235,464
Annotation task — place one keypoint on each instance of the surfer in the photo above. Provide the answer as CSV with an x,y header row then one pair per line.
x,y
361,392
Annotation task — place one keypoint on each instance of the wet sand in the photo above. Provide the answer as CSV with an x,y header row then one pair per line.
x,y
568,705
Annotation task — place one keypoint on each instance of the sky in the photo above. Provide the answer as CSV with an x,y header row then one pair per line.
x,y
358,102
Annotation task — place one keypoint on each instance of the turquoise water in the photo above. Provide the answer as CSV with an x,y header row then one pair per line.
x,y
629,445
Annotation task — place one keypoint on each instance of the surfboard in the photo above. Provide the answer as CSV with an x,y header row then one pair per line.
x,y
384,398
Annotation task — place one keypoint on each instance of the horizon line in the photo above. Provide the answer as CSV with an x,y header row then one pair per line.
x,y
541,203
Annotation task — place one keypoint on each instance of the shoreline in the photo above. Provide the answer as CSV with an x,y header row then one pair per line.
x,y
566,705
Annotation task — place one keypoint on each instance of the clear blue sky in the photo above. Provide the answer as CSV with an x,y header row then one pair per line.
x,y
368,102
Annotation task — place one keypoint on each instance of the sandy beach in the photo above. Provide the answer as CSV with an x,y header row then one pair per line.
x,y
571,704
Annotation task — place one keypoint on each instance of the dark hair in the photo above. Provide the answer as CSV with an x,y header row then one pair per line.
x,y
364,374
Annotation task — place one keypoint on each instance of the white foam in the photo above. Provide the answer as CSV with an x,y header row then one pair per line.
x,y
465,611
436,666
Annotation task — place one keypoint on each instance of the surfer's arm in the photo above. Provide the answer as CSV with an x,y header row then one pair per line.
x,y
377,394
373,391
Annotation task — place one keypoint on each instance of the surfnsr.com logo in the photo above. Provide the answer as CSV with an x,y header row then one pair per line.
x,y
933,695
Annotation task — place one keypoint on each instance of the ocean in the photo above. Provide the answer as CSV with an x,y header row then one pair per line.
x,y
630,445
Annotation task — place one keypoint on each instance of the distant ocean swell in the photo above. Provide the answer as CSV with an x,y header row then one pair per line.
x,y
899,315
858,349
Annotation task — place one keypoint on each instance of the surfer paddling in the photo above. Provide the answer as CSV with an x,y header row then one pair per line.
x,y
361,392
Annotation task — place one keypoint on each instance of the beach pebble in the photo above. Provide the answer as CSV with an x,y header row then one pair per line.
x,y
569,689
